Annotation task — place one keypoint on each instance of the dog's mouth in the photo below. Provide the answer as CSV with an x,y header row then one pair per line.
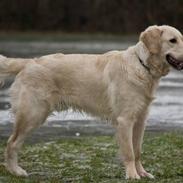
x,y
177,64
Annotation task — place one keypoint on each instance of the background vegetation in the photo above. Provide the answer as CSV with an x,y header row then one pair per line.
x,y
118,16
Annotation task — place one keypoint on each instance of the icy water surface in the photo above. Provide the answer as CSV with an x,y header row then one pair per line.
x,y
166,108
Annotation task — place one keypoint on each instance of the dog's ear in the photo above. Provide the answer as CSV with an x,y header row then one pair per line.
x,y
151,37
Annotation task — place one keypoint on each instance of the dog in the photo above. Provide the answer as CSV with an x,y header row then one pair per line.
x,y
117,86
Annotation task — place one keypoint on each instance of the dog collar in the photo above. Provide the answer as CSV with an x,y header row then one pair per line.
x,y
145,66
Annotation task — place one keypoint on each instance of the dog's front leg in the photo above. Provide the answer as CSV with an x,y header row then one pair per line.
x,y
124,136
138,133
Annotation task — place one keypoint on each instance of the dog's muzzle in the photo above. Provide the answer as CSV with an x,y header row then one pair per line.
x,y
177,64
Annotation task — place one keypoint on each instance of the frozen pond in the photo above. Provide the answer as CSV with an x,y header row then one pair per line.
x,y
166,108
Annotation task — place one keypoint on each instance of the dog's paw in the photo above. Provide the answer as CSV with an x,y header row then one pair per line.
x,y
132,176
18,171
146,174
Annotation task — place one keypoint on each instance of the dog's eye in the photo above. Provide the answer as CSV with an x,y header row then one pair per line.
x,y
173,40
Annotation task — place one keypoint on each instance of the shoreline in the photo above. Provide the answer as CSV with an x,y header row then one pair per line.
x,y
52,130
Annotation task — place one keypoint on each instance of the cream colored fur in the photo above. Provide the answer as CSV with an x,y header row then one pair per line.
x,y
114,86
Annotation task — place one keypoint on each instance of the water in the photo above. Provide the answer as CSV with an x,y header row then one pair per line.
x,y
167,108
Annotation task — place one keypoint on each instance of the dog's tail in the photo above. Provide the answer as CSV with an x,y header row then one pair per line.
x,y
10,67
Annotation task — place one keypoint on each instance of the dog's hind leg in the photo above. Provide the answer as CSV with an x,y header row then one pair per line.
x,y
30,113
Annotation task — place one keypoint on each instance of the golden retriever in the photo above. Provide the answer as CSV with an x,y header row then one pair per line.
x,y
118,86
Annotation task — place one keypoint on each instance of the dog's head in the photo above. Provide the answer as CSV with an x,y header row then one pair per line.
x,y
165,45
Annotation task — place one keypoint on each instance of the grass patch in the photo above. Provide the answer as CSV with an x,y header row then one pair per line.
x,y
95,159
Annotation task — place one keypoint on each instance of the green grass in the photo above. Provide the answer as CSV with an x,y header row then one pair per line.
x,y
95,159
